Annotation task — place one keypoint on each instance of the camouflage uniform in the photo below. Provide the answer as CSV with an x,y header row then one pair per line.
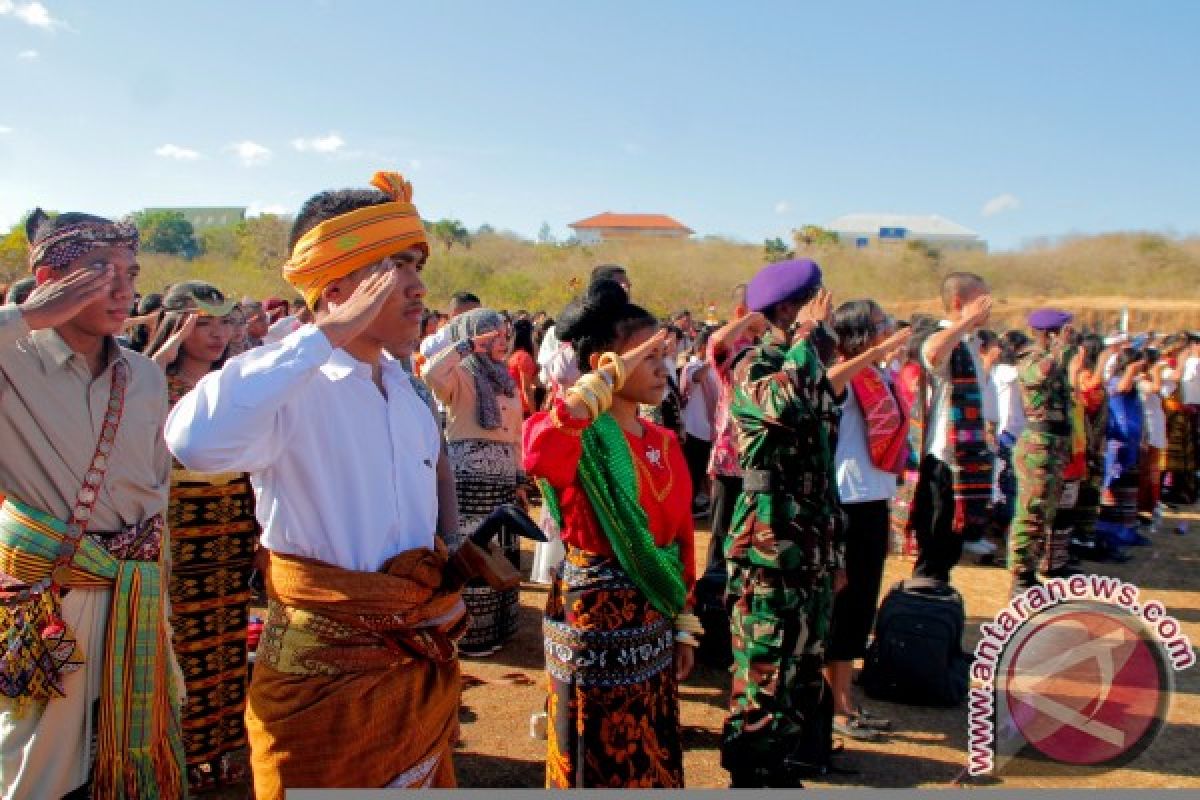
x,y
1039,458
785,542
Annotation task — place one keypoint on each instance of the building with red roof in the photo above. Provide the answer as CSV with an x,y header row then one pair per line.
x,y
608,226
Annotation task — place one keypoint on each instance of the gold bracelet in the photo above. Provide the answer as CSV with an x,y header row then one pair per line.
x,y
597,386
598,389
589,401
611,359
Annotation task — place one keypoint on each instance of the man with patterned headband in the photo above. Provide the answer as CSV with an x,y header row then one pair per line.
x,y
357,680
87,664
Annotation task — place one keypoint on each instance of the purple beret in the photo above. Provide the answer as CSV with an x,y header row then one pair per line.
x,y
781,280
1050,319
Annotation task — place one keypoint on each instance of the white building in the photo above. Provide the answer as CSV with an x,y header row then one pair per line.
x,y
882,230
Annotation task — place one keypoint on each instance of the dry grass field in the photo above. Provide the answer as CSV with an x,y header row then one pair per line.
x,y
1157,278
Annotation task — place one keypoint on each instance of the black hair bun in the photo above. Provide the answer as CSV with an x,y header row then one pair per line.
x,y
606,297
592,314
37,218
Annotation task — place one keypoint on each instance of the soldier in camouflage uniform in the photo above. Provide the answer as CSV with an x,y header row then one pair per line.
x,y
786,537
1043,449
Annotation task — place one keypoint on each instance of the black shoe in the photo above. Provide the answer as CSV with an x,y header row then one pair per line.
x,y
1022,583
1115,556
1065,571
764,779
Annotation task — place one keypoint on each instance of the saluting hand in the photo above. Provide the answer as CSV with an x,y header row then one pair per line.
x,y
820,307
344,323
894,345
55,302
637,355
483,342
978,311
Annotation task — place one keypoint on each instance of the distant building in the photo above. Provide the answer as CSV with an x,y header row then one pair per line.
x,y
203,217
882,230
608,225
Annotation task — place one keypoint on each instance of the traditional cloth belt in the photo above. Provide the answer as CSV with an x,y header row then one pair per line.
x,y
607,658
300,642
323,620
140,749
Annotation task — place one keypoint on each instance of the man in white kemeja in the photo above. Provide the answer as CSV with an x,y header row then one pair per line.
x,y
343,453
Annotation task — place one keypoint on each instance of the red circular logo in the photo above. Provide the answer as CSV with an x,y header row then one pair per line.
x,y
1086,686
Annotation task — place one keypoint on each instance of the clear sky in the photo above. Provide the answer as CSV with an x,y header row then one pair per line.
x,y
1017,119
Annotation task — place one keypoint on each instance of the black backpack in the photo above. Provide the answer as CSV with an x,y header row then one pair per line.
x,y
916,655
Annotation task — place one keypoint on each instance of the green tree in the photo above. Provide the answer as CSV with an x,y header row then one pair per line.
x,y
546,234
776,250
451,232
814,236
14,253
166,232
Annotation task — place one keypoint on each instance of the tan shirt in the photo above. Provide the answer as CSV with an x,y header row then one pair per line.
x,y
455,388
51,413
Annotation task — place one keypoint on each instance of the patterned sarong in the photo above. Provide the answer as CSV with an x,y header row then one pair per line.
x,y
357,681
613,701
139,750
1181,453
213,536
486,476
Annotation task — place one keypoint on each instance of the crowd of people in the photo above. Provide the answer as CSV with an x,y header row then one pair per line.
x,y
169,457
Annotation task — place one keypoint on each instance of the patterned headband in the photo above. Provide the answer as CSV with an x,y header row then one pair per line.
x,y
60,247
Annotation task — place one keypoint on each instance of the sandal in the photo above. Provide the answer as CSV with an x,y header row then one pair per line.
x,y
854,728
869,720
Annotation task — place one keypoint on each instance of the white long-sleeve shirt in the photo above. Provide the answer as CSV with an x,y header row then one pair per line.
x,y
1010,418
340,473
436,342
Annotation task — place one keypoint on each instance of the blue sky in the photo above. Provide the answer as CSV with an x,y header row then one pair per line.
x,y
1017,119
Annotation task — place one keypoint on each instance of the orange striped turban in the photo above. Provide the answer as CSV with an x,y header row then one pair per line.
x,y
356,239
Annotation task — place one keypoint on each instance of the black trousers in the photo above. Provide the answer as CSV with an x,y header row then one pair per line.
x,y
696,452
867,534
710,589
938,546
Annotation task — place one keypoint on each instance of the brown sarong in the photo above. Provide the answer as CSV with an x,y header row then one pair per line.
x,y
357,681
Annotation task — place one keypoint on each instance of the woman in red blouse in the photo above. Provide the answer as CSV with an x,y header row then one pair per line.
x,y
618,627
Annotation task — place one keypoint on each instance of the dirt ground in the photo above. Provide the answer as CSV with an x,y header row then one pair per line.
x,y
927,748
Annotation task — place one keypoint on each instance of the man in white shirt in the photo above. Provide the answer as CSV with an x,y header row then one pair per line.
x,y
357,679
942,516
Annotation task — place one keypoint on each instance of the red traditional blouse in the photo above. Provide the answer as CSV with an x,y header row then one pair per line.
x,y
552,447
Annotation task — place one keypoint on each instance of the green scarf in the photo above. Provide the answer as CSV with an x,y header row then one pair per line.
x,y
607,474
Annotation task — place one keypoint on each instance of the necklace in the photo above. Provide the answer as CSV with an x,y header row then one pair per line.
x,y
657,457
